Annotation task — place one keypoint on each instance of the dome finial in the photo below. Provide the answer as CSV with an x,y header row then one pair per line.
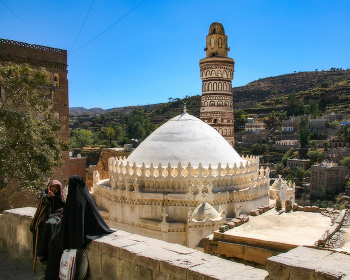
x,y
185,110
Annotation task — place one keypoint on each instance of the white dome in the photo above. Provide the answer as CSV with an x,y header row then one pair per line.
x,y
185,139
205,210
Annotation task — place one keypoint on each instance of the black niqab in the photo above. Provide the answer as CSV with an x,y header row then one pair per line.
x,y
81,220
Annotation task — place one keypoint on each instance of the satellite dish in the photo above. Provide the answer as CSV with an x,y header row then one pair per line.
x,y
70,154
283,192
78,155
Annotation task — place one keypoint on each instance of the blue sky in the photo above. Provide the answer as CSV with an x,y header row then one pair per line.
x,y
152,52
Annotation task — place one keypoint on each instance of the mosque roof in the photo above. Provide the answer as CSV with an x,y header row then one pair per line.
x,y
185,139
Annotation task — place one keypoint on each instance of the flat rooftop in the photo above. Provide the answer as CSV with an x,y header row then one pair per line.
x,y
295,229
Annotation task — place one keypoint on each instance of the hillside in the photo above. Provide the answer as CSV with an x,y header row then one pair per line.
x,y
284,84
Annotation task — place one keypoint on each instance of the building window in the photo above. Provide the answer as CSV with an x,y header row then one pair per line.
x,y
56,81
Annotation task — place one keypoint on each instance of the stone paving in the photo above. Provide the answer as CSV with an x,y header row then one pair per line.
x,y
14,269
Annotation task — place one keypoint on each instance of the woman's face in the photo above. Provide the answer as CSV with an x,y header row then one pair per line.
x,y
55,188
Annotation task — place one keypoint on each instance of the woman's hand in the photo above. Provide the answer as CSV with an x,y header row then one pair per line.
x,y
49,192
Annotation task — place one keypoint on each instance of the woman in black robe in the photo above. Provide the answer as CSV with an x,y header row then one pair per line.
x,y
81,223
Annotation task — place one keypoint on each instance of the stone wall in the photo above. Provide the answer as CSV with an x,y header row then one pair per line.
x,y
123,255
77,166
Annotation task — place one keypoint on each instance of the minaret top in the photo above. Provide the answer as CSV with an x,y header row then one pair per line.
x,y
216,28
216,45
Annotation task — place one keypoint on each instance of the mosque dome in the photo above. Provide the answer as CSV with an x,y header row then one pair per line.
x,y
278,183
203,211
185,139
216,28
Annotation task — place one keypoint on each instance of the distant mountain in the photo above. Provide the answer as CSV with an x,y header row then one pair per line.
x,y
76,110
92,111
82,110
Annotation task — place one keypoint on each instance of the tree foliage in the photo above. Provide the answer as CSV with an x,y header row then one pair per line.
x,y
29,146
240,116
313,109
315,156
314,144
345,162
304,132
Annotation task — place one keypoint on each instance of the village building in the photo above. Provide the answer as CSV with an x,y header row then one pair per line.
x,y
295,143
336,154
293,163
340,144
255,132
318,124
290,125
327,174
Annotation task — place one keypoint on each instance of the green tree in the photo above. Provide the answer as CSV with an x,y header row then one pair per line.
x,y
300,175
110,133
284,160
333,124
118,130
84,138
299,108
345,162
255,148
313,109
29,146
264,148
315,156
314,144
324,85
240,115
292,97
304,132
325,145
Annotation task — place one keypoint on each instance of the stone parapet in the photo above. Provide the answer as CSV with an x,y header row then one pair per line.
x,y
123,255
308,263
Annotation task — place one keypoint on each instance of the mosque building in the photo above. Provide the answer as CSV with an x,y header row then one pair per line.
x,y
186,180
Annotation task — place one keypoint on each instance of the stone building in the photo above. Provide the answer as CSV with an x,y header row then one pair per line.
x,y
290,125
216,73
336,154
255,132
55,61
180,183
327,174
293,163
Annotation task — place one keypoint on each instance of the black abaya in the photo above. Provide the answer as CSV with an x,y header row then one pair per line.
x,y
81,222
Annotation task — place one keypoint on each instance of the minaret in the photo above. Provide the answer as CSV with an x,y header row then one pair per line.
x,y
216,74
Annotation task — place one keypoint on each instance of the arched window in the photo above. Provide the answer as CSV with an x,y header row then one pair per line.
x,y
56,80
220,43
220,86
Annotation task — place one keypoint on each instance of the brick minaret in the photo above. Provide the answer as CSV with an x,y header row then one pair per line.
x,y
216,74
